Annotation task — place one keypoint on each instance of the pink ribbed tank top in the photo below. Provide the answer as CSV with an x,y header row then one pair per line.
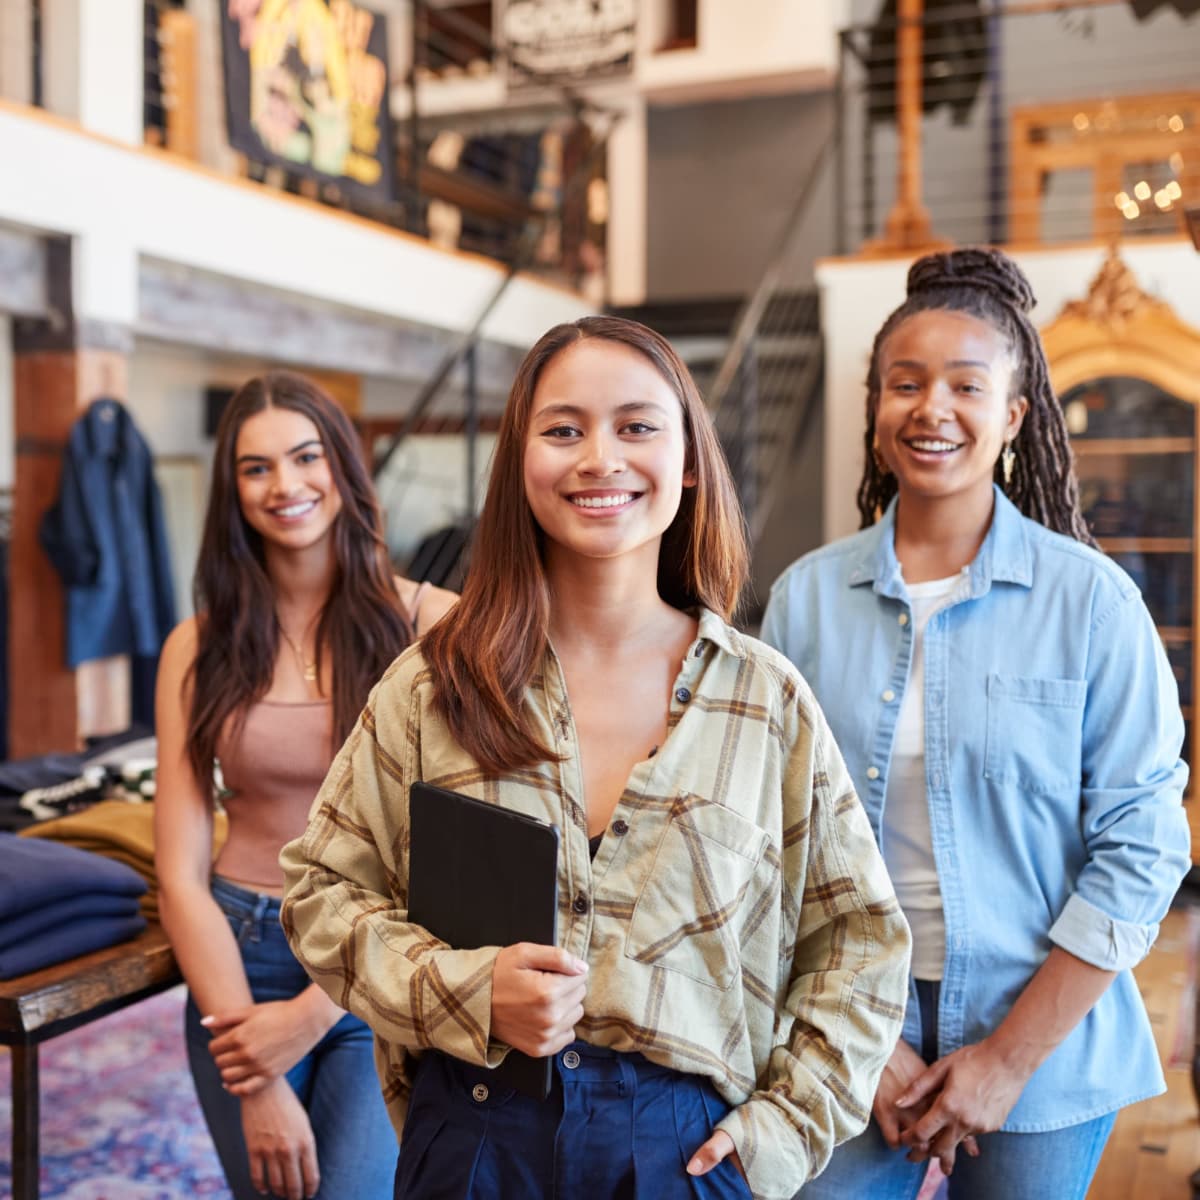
x,y
272,769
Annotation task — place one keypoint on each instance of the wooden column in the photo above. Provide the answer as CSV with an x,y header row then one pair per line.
x,y
907,226
59,369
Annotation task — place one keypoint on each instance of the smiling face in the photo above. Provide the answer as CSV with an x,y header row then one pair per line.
x,y
605,451
285,485
945,406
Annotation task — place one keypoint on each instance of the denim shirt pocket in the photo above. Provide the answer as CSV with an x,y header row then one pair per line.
x,y
1035,733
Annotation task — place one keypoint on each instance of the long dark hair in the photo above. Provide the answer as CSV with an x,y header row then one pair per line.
x,y
362,626
986,284
486,651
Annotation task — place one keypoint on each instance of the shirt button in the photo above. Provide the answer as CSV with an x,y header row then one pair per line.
x,y
479,1093
872,772
580,904
699,647
620,828
903,618
682,695
889,696
570,1060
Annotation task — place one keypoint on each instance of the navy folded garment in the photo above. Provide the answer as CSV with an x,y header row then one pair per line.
x,y
35,872
24,927
68,941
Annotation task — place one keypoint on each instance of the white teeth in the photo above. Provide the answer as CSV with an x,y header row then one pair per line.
x,y
933,446
294,510
613,501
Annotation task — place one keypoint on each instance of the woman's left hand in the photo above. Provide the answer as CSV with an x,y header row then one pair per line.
x,y
254,1045
976,1088
719,1146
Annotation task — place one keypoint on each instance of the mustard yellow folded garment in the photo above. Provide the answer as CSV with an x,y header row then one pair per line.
x,y
121,831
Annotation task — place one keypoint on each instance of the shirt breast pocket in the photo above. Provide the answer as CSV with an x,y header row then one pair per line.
x,y
687,913
1035,733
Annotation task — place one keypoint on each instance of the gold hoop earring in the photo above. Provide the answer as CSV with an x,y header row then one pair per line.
x,y
1008,460
880,465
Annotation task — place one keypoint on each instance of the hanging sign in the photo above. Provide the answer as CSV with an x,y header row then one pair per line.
x,y
306,88
570,39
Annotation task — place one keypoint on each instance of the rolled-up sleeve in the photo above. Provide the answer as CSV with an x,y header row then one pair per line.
x,y
344,910
1133,822
847,990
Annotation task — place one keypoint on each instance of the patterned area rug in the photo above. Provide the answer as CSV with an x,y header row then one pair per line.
x,y
119,1114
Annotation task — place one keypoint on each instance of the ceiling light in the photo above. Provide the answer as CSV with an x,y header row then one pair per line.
x,y
1174,190
1175,124
1142,190
1131,211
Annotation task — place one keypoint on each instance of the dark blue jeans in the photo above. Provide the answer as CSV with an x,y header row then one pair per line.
x,y
336,1080
614,1127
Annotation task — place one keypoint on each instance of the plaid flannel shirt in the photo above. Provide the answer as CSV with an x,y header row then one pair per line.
x,y
737,920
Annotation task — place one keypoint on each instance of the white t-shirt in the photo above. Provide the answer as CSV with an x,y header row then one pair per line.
x,y
907,840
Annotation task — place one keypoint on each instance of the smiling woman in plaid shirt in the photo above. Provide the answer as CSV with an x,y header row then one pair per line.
x,y
731,965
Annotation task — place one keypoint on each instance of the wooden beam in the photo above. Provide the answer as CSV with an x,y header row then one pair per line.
x,y
188,307
908,226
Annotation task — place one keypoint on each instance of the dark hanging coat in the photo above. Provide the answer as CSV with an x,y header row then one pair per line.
x,y
106,537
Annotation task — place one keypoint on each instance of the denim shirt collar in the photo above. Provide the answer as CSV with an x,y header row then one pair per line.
x,y
1004,557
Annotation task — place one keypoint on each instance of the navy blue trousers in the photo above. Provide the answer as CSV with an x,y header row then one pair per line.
x,y
614,1127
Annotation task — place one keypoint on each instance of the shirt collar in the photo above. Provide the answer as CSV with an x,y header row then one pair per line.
x,y
1004,557
717,630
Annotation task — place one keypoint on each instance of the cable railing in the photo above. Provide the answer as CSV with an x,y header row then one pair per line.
x,y
1039,122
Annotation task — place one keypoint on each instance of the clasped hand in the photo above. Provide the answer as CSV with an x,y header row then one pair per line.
x,y
258,1043
934,1109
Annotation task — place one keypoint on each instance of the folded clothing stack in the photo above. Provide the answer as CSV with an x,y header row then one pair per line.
x,y
57,902
120,831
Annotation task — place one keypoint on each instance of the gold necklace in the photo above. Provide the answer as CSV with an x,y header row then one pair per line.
x,y
307,669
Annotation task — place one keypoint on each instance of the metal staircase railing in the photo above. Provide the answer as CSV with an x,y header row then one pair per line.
x,y
764,397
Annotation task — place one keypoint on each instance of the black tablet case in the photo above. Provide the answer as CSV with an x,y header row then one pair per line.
x,y
483,875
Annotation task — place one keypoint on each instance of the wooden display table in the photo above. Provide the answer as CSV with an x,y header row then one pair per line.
x,y
37,1007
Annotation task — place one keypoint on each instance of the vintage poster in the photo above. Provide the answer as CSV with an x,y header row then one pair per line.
x,y
306,88
569,39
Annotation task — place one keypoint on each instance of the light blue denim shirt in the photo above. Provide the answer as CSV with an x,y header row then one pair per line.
x,y
1052,740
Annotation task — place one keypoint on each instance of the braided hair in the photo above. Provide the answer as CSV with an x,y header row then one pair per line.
x,y
988,285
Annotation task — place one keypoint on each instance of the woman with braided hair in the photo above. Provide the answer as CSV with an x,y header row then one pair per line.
x,y
1014,732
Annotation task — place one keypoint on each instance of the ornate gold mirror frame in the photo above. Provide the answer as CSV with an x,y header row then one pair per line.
x,y
1120,330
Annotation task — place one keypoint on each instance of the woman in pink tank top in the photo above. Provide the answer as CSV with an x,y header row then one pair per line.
x,y
299,615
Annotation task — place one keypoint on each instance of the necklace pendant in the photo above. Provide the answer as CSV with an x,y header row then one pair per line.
x,y
310,673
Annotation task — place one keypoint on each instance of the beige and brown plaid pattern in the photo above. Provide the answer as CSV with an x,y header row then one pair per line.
x,y
742,927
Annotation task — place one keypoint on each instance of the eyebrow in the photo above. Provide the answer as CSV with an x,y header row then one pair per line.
x,y
913,365
574,410
242,458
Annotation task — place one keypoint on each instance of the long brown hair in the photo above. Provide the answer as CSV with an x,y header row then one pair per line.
x,y
486,651
362,626
988,285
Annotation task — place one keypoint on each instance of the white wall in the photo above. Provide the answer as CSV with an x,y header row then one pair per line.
x,y
744,42
858,294
123,203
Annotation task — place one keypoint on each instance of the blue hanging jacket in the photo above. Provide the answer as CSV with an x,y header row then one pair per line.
x,y
107,539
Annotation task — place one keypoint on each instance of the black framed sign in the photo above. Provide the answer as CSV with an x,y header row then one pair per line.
x,y
306,88
570,39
